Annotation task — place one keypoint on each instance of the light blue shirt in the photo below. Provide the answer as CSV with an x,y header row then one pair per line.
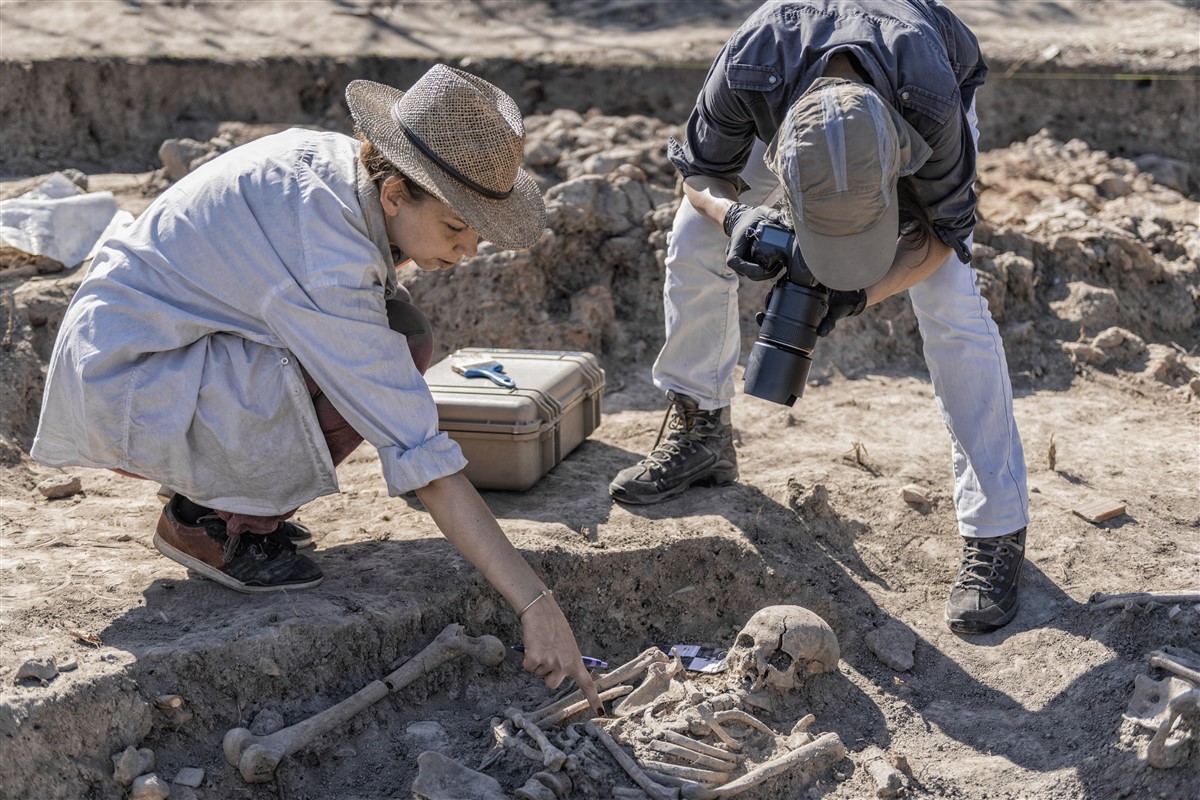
x,y
179,357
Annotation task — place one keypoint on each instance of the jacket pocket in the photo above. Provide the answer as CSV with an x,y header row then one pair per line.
x,y
932,105
753,78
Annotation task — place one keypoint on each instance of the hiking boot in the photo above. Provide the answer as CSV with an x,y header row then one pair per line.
x,y
250,562
984,595
698,450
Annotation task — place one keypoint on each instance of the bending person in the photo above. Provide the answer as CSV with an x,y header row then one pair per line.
x,y
868,108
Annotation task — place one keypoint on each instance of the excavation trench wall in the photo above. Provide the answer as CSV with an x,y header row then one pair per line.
x,y
113,113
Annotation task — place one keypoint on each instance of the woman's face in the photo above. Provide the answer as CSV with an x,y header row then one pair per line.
x,y
426,230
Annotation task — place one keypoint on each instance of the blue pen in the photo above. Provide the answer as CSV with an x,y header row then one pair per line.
x,y
588,661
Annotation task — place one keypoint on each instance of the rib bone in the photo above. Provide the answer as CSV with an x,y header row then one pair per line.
x,y
630,669
706,714
700,747
630,766
699,759
736,715
575,708
713,777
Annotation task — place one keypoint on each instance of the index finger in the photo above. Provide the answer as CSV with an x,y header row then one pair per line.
x,y
583,680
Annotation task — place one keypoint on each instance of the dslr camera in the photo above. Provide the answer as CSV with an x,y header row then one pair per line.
x,y
782,355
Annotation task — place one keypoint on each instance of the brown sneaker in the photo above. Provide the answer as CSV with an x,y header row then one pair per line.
x,y
699,450
250,562
299,535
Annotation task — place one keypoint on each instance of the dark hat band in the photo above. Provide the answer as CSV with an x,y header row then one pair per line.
x,y
451,171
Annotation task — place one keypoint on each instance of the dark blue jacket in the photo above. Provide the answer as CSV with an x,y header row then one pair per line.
x,y
919,57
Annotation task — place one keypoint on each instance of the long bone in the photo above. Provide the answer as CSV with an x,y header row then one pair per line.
x,y
506,739
1161,754
575,708
1103,601
256,757
630,669
658,681
1162,659
827,747
552,757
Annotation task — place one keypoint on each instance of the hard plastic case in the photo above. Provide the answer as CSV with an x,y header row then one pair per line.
x,y
512,437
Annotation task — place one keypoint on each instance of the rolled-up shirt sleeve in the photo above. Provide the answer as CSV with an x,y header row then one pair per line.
x,y
719,135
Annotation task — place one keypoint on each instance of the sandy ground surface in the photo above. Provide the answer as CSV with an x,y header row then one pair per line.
x,y
1074,245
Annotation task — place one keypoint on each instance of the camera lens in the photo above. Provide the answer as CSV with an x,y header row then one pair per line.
x,y
782,355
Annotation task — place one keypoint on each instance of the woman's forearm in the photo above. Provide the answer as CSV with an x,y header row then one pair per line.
x,y
468,524
465,520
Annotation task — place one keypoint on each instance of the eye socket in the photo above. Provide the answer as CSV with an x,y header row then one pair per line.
x,y
456,229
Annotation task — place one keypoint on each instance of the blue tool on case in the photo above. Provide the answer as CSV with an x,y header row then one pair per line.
x,y
483,368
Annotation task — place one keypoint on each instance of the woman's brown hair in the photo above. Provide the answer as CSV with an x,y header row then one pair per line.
x,y
379,168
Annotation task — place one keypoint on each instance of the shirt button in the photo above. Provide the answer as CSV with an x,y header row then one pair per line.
x,y
284,361
904,95
772,79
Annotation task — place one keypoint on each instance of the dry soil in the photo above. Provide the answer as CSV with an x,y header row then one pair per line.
x,y
1089,263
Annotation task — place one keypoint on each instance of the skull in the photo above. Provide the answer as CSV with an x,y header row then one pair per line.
x,y
780,645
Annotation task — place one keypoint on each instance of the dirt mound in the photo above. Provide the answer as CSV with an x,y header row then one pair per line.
x,y
1085,260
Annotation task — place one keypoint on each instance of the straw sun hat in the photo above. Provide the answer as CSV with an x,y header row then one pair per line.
x,y
462,139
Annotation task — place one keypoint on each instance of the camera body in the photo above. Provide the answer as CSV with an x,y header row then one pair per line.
x,y
781,357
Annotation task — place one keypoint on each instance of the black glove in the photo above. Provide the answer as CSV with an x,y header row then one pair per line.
x,y
741,222
842,304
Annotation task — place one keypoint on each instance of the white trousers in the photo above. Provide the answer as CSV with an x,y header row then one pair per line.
x,y
962,347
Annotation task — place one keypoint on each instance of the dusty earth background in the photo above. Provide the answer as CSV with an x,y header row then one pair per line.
x,y
1089,263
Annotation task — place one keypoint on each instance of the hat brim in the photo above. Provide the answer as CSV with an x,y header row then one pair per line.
x,y
855,261
514,222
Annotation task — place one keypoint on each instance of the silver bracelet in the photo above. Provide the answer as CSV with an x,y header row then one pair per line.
x,y
529,605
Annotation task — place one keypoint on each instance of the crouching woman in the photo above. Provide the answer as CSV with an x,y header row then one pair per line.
x,y
246,334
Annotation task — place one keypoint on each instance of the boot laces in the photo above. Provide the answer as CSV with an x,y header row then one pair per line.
x,y
687,424
984,562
